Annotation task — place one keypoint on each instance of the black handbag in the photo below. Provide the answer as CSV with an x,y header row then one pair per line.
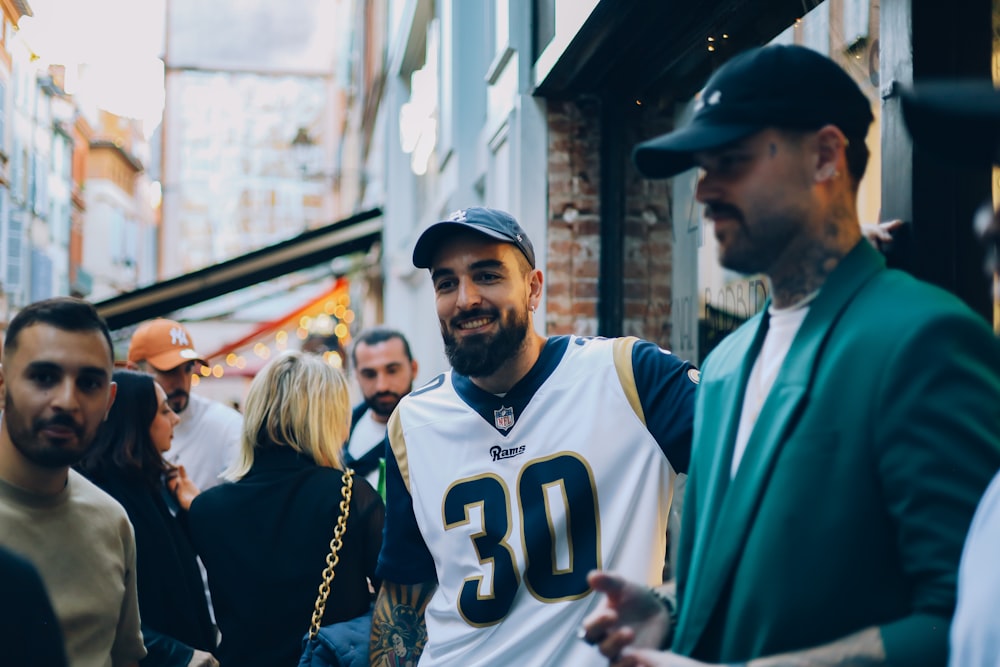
x,y
343,644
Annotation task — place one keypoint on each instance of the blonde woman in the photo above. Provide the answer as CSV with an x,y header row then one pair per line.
x,y
264,538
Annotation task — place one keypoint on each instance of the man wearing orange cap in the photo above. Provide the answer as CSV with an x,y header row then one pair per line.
x,y
208,435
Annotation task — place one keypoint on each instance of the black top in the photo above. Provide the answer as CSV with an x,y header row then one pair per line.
x,y
29,631
264,541
172,603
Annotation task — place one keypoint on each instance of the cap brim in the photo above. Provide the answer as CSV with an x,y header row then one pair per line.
x,y
171,359
954,120
431,239
672,153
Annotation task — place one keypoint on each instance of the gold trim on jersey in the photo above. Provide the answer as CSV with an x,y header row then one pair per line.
x,y
398,444
626,374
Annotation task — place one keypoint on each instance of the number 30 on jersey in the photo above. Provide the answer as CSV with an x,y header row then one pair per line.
x,y
557,502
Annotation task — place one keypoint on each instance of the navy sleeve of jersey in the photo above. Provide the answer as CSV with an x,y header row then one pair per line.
x,y
404,558
666,387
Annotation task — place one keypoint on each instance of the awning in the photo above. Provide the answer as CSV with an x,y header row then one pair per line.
x,y
247,354
354,234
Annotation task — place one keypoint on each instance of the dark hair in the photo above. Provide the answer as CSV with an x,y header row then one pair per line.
x,y
66,313
123,443
377,335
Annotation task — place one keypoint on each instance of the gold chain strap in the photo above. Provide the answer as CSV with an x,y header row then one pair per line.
x,y
332,558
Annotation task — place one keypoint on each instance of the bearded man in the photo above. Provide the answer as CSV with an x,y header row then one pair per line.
x,y
56,389
384,368
531,461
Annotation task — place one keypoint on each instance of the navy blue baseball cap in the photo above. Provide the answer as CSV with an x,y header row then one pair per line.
x,y
490,222
778,86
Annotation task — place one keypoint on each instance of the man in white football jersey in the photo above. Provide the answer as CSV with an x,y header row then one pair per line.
x,y
532,462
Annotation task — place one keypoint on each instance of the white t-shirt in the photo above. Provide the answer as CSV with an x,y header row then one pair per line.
x,y
206,440
781,330
367,434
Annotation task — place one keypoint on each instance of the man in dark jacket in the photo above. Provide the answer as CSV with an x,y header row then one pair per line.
x,y
384,368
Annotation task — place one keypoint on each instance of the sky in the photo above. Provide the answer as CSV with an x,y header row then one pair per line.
x,y
119,41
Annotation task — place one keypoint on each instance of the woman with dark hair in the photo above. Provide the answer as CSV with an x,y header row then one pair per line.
x,y
126,461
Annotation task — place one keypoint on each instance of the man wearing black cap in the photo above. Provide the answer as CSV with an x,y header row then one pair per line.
x,y
533,461
843,435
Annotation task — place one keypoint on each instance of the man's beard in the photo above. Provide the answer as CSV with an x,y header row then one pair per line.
x,y
178,401
34,447
755,247
380,408
482,355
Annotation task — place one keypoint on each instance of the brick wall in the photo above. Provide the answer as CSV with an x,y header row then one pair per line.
x,y
574,226
574,217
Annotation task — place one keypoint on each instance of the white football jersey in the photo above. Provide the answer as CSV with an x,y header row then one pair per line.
x,y
517,498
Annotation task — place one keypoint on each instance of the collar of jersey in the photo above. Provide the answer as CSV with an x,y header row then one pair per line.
x,y
520,394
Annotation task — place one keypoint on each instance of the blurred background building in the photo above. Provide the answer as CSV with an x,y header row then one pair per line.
x,y
301,151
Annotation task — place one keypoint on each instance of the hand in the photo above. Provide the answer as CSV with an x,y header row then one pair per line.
x,y
629,615
203,659
183,489
880,234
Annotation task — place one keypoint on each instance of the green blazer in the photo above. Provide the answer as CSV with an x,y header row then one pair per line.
x,y
858,483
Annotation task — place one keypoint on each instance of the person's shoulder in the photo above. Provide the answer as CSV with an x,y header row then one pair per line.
x,y
211,499
427,391
20,579
15,567
85,492
363,494
210,411
902,303
98,506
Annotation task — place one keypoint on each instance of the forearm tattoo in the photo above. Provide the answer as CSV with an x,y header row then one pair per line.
x,y
398,629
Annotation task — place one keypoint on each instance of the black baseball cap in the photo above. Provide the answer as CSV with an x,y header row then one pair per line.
x,y
490,222
957,121
780,86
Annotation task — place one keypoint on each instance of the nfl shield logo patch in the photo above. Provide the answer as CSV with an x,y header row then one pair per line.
x,y
503,418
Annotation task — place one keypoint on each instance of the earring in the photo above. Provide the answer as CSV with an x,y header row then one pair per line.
x,y
532,308
827,173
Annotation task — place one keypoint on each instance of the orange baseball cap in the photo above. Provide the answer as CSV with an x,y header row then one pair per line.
x,y
163,344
